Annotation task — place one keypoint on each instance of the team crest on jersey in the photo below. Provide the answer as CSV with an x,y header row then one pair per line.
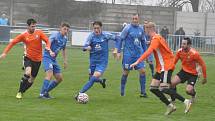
x,y
98,47
102,40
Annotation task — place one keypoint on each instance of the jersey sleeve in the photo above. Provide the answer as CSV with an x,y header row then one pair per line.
x,y
46,40
17,39
52,37
202,64
87,42
154,44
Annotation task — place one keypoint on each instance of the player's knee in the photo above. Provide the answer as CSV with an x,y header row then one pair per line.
x,y
60,79
189,91
153,88
25,77
142,72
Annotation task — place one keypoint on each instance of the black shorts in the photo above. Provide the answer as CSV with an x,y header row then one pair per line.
x,y
33,64
164,76
185,76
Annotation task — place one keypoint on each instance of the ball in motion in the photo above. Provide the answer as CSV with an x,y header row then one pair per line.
x,y
83,98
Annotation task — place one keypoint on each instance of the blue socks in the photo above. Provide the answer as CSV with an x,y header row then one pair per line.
x,y
45,86
89,84
123,83
52,85
142,80
48,86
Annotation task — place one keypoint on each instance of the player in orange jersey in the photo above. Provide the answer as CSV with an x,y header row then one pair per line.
x,y
190,58
32,38
164,67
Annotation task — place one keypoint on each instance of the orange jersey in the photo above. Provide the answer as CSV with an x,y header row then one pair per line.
x,y
33,44
163,55
190,60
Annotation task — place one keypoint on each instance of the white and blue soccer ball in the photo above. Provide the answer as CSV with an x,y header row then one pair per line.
x,y
83,98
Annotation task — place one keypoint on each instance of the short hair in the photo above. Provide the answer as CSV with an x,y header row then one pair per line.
x,y
136,14
97,23
189,42
150,25
65,24
31,21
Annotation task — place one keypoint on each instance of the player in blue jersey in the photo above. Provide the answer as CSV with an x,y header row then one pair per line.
x,y
97,45
58,42
134,46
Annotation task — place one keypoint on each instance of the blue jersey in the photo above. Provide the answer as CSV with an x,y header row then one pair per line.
x,y
99,47
3,21
58,42
134,41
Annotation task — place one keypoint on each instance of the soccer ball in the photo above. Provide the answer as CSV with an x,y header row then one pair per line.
x,y
83,98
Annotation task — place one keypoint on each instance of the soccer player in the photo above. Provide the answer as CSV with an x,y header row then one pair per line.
x,y
134,45
58,41
164,67
97,45
190,58
32,38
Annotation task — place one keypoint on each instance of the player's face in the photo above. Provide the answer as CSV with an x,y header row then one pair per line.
x,y
135,19
31,28
64,30
184,45
97,29
147,29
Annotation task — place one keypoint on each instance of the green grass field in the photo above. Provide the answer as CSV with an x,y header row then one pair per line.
x,y
104,104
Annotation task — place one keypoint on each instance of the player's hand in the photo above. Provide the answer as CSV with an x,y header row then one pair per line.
x,y
52,53
65,64
204,81
88,48
133,64
2,56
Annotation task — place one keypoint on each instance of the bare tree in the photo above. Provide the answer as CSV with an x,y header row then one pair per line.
x,y
180,3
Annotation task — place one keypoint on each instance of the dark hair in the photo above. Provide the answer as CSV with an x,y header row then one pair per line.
x,y
189,42
136,14
31,21
65,24
97,23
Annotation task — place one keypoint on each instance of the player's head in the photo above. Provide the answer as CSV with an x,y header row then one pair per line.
x,y
3,15
97,27
186,43
64,28
135,19
150,28
144,23
31,25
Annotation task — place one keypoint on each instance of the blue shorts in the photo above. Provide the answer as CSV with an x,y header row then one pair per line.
x,y
151,57
127,61
100,67
50,64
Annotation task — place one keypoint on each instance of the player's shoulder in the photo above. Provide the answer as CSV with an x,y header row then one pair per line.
x,y
54,33
194,51
157,37
179,50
